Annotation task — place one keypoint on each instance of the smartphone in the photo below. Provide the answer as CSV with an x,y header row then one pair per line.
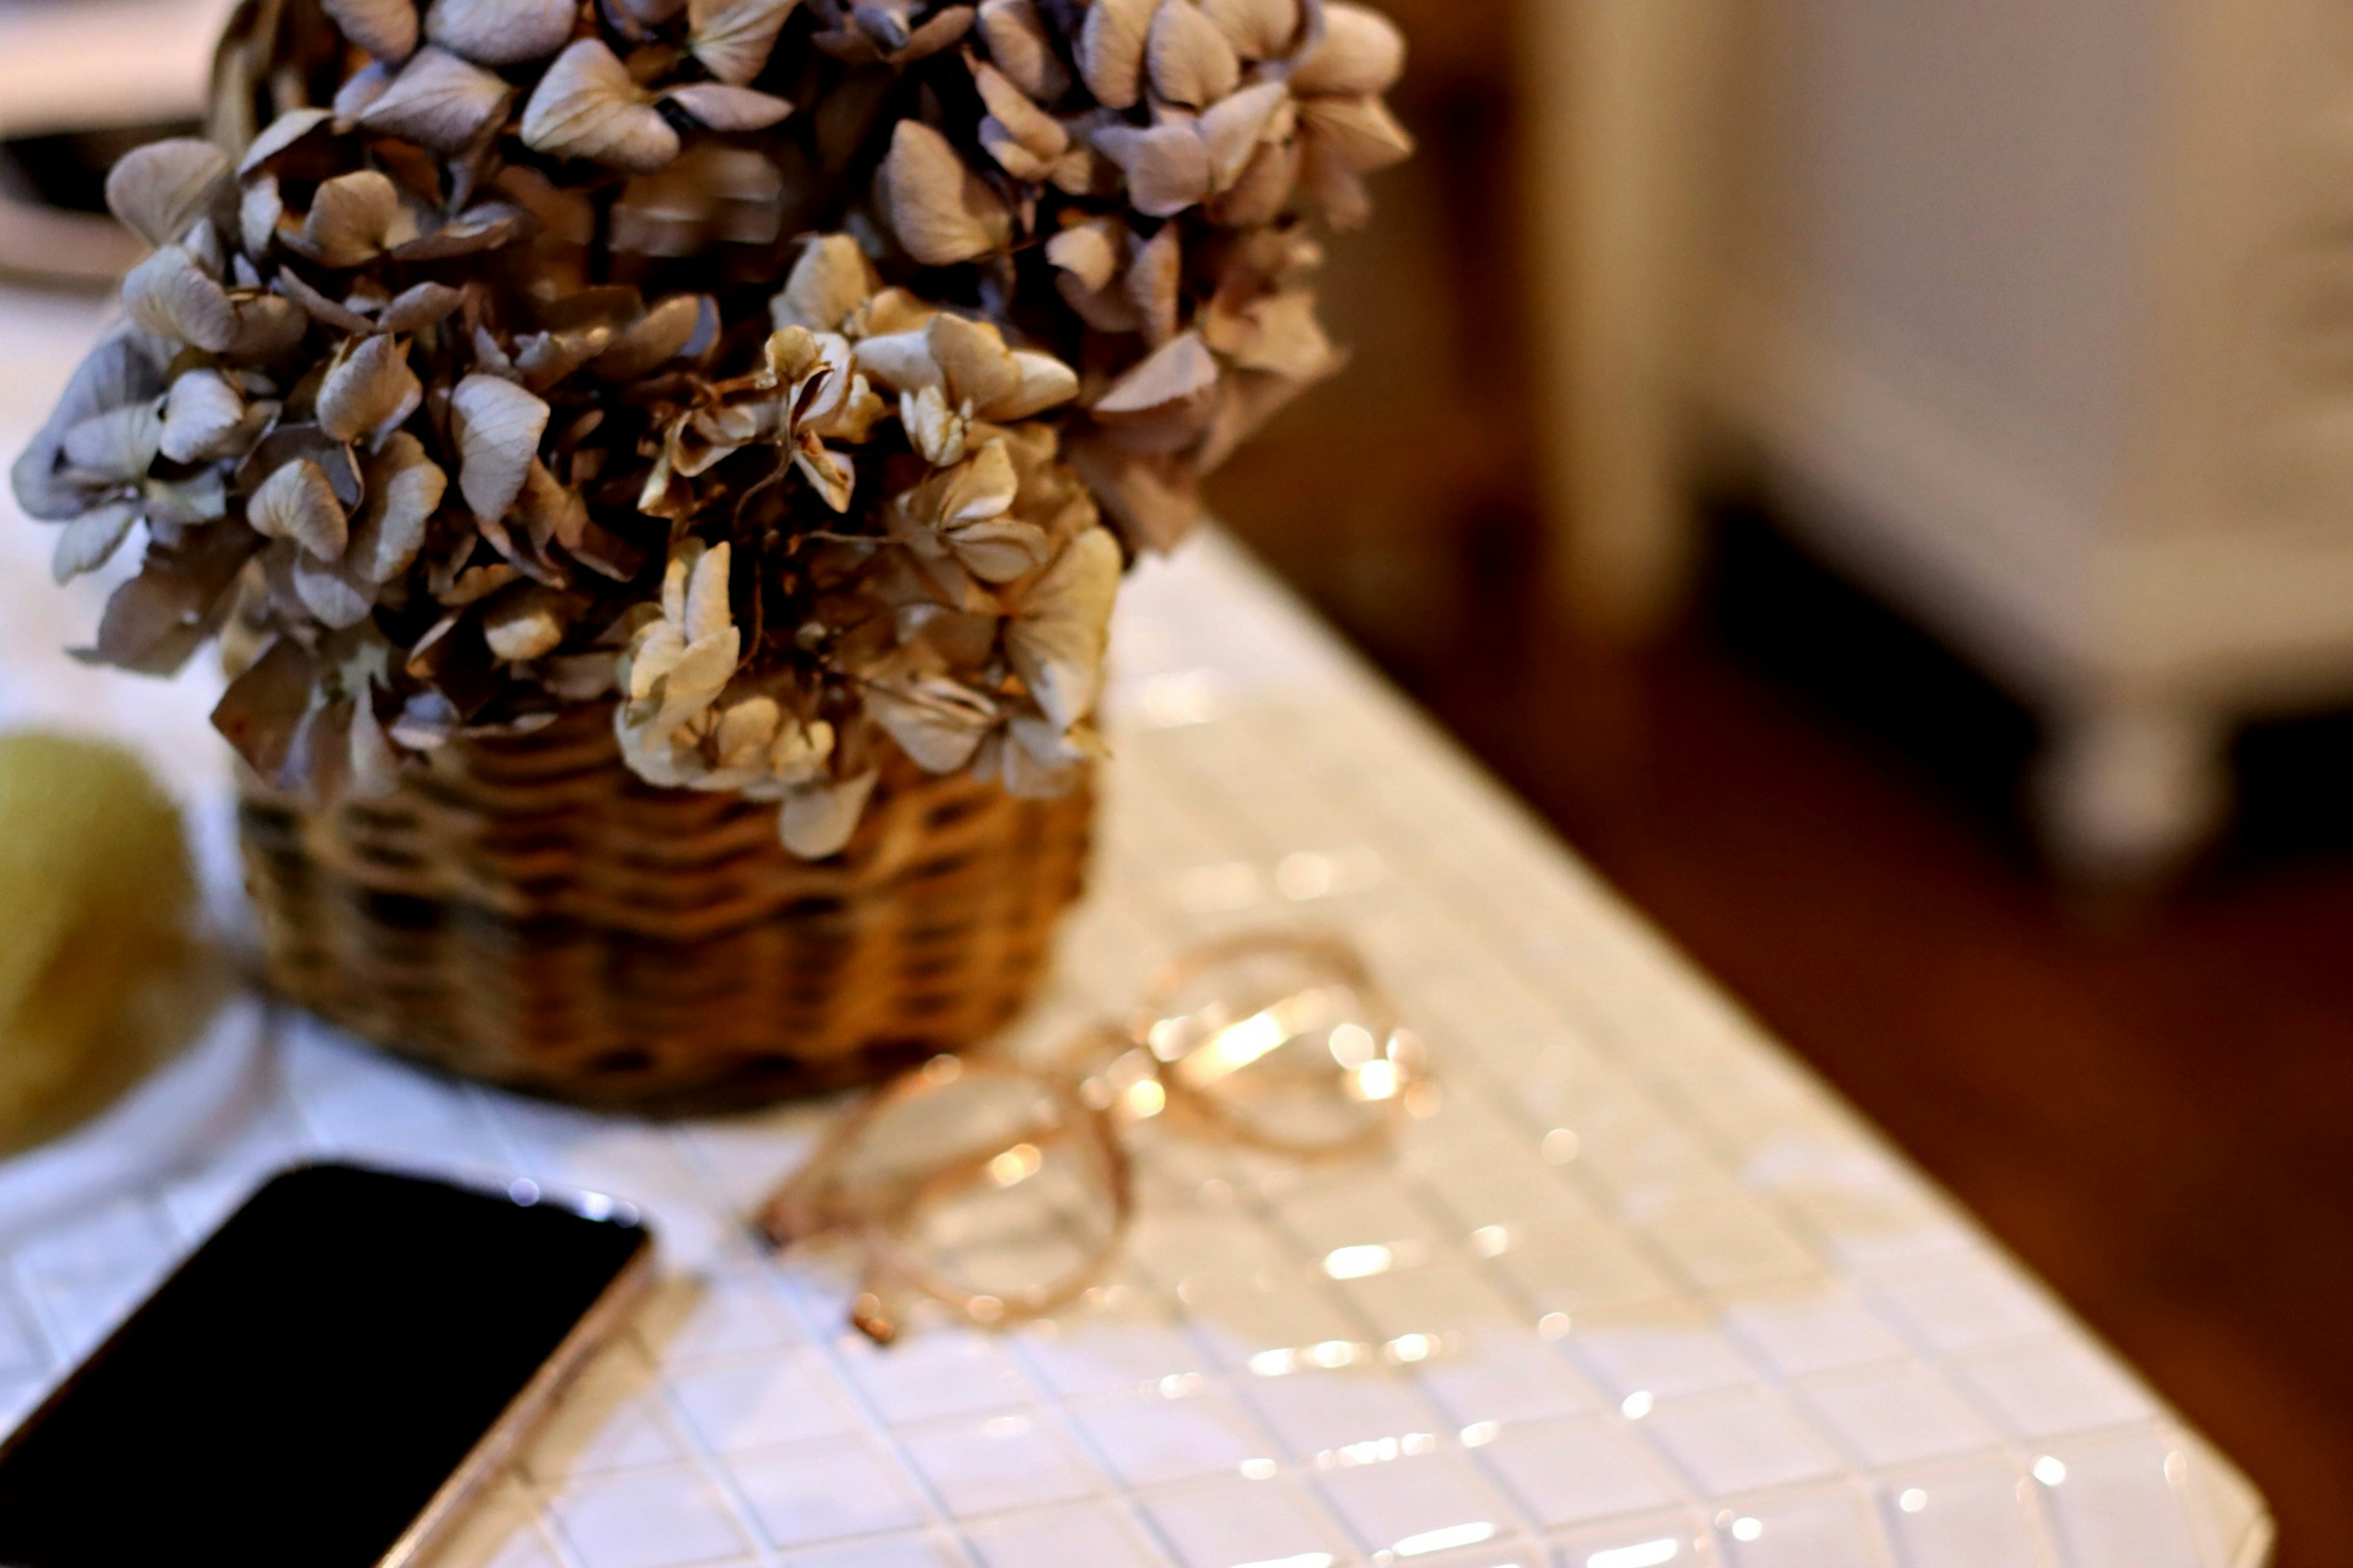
x,y
326,1382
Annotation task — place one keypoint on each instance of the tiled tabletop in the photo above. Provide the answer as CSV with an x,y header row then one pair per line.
x,y
1638,1291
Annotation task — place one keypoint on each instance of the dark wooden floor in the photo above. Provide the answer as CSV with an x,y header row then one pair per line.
x,y
2155,1114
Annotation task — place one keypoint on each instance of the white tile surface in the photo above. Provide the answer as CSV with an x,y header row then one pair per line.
x,y
1631,1204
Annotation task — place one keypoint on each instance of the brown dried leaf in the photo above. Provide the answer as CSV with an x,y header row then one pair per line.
x,y
1362,53
263,707
159,191
1111,45
384,28
942,212
439,100
497,426
203,417
1022,46
297,502
371,391
733,38
171,296
588,106
501,32
722,108
1190,59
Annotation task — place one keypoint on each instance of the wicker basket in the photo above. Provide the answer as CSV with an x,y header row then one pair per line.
x,y
529,912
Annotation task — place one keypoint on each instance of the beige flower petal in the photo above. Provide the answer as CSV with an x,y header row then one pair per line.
x,y
266,326
1154,279
405,488
587,106
1259,29
733,38
329,593
702,610
159,191
1362,53
280,134
546,358
501,32
900,361
1112,44
91,540
942,212
1088,252
1190,59
722,108
441,101
1058,636
116,447
972,355
375,765
371,391
828,283
497,426
384,28
1038,132
1258,196
936,720
203,417
523,624
258,207
297,502
1167,165
366,86
1234,128
1021,44
319,308
1360,131
820,820
1182,368
661,335
355,218
1045,383
168,295
415,308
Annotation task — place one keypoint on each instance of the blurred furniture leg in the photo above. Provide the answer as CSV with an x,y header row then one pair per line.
x,y
2044,332
1622,109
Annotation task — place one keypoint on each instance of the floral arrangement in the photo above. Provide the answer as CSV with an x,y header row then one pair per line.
x,y
459,389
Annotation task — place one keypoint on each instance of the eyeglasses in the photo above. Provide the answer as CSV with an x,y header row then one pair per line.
x,y
1002,1192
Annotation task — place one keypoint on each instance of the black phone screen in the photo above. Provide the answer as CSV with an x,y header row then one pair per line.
x,y
298,1391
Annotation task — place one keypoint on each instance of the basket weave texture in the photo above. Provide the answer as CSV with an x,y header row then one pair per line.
x,y
529,912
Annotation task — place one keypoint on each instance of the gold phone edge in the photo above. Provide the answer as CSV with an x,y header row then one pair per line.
x,y
447,1510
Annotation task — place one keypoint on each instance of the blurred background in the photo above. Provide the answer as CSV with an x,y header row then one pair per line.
x,y
1878,475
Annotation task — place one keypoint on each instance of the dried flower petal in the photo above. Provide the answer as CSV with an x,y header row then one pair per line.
x,y
354,218
160,189
1022,47
1191,61
404,490
1259,29
588,106
415,308
116,447
91,540
829,282
384,28
297,502
1058,636
525,624
941,211
937,720
258,208
497,426
820,820
439,100
263,706
1088,252
1181,369
661,334
1362,53
733,38
371,391
280,134
1167,165
1235,129
329,593
501,32
1360,132
722,108
203,417
1112,44
168,295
